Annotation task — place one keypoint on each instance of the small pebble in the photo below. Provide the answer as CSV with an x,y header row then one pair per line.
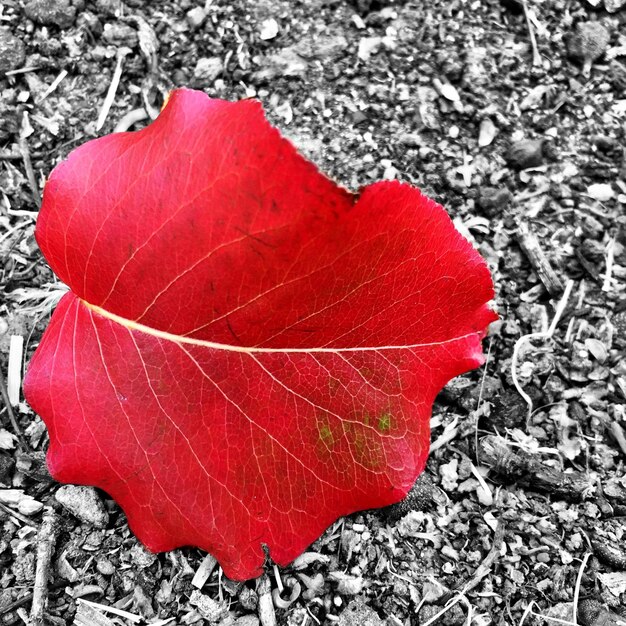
x,y
600,191
588,43
210,609
108,8
7,439
11,51
105,567
357,613
612,6
208,69
449,92
494,200
269,29
525,153
6,467
487,132
29,506
543,557
412,140
368,46
141,557
248,598
83,503
195,17
247,620
59,13
604,142
90,21
120,34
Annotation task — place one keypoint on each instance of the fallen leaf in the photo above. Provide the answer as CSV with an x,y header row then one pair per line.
x,y
248,351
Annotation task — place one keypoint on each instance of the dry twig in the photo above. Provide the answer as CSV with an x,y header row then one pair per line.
x,y
528,471
618,434
28,166
204,571
531,33
130,119
55,83
115,81
610,257
542,335
7,403
529,243
45,547
577,588
267,616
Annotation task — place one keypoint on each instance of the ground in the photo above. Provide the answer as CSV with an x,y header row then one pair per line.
x,y
513,116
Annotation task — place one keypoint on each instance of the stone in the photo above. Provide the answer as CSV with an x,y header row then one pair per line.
x,y
269,29
7,464
612,6
195,17
11,51
525,153
475,74
247,620
357,613
322,48
588,43
212,610
59,13
141,557
427,106
109,8
89,20
602,192
120,34
411,140
105,567
486,133
284,62
494,200
23,567
368,46
84,504
208,69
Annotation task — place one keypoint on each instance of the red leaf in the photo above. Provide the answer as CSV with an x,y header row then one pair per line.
x,y
248,350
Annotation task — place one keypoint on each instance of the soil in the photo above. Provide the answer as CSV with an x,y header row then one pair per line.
x,y
519,517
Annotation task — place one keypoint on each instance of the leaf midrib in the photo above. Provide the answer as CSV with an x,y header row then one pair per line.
x,y
180,339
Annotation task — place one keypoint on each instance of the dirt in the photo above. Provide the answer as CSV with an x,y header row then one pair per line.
x,y
519,518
